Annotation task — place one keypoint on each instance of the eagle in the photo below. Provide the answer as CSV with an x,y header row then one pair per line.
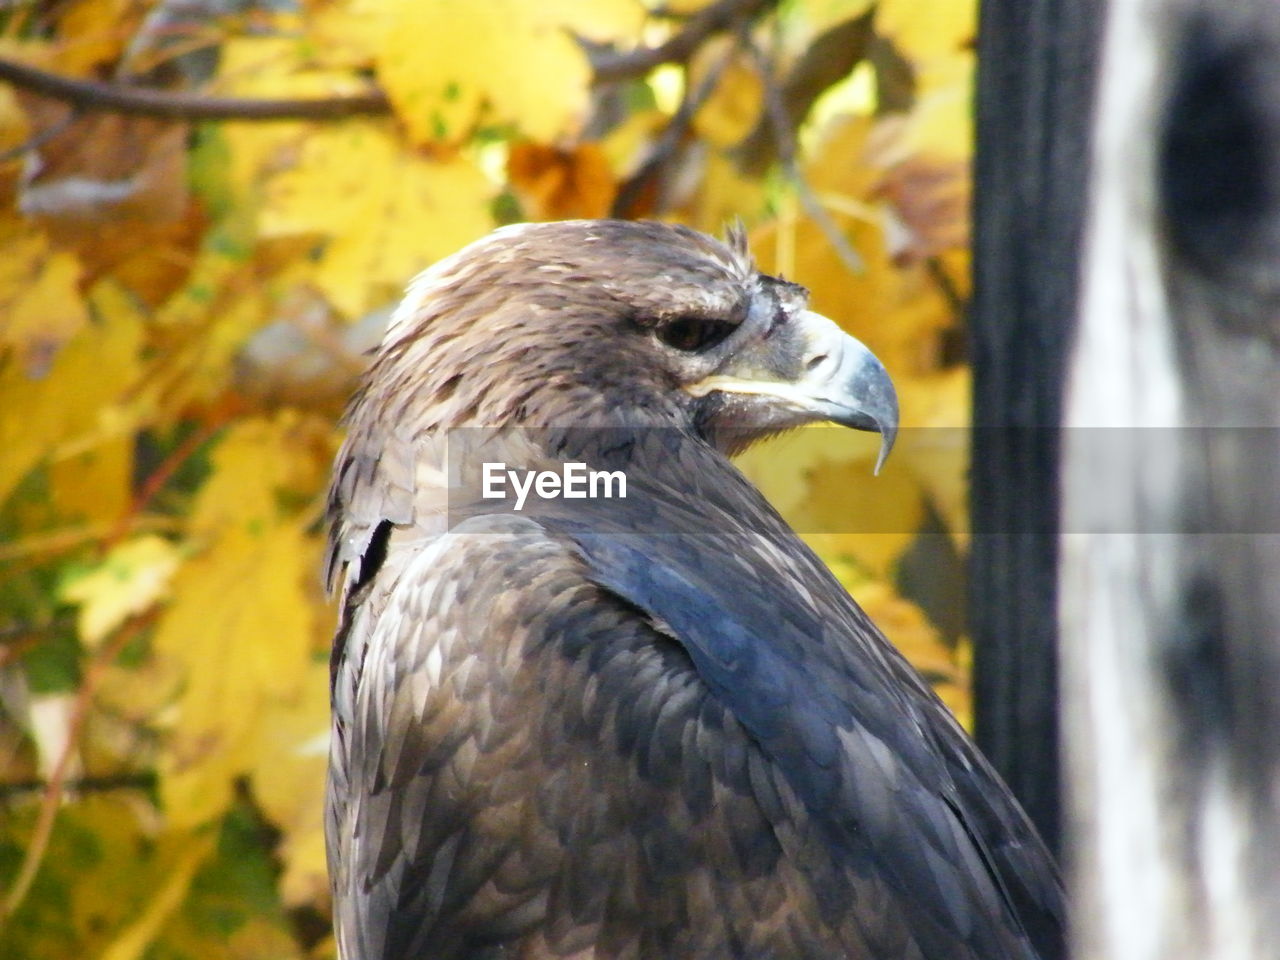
x,y
643,726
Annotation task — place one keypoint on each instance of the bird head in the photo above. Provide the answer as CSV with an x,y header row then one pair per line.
x,y
616,323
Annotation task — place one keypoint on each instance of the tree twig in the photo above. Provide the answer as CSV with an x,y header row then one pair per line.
x,y
946,286
785,136
17,638
716,18
91,95
63,539
141,780
668,145
53,790
162,475
827,60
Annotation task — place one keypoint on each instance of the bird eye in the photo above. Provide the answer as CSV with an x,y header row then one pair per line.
x,y
691,334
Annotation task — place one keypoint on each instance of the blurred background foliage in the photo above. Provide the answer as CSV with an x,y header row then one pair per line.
x,y
184,304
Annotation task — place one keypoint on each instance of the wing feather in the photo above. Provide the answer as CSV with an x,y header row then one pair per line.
x,y
893,798
605,764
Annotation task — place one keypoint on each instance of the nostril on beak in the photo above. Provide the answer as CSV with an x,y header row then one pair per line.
x,y
815,362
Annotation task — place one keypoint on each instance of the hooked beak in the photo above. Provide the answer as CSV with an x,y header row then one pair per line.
x,y
818,372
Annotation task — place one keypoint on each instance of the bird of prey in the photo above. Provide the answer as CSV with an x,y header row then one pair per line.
x,y
643,727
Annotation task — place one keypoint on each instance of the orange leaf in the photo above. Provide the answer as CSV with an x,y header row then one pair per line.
x,y
556,184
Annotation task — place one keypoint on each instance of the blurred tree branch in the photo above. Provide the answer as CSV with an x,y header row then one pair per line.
x,y
782,125
827,61
138,780
718,17
93,95
631,194
54,789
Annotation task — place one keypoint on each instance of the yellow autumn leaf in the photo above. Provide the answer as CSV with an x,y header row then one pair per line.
x,y
820,15
350,32
105,869
198,332
449,64
923,29
924,158
936,449
221,258
202,367
93,32
667,83
242,619
782,466
895,304
91,474
385,213
288,776
94,484
820,479
139,692
73,397
733,108
345,33
106,896
133,576
40,305
241,625
138,935
277,66
629,143
616,22
856,95
839,159
880,515
262,939
725,194
940,123
254,462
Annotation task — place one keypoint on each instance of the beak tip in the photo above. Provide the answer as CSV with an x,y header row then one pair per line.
x,y
888,432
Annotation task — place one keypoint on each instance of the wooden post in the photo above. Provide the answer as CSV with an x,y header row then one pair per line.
x,y
1034,90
